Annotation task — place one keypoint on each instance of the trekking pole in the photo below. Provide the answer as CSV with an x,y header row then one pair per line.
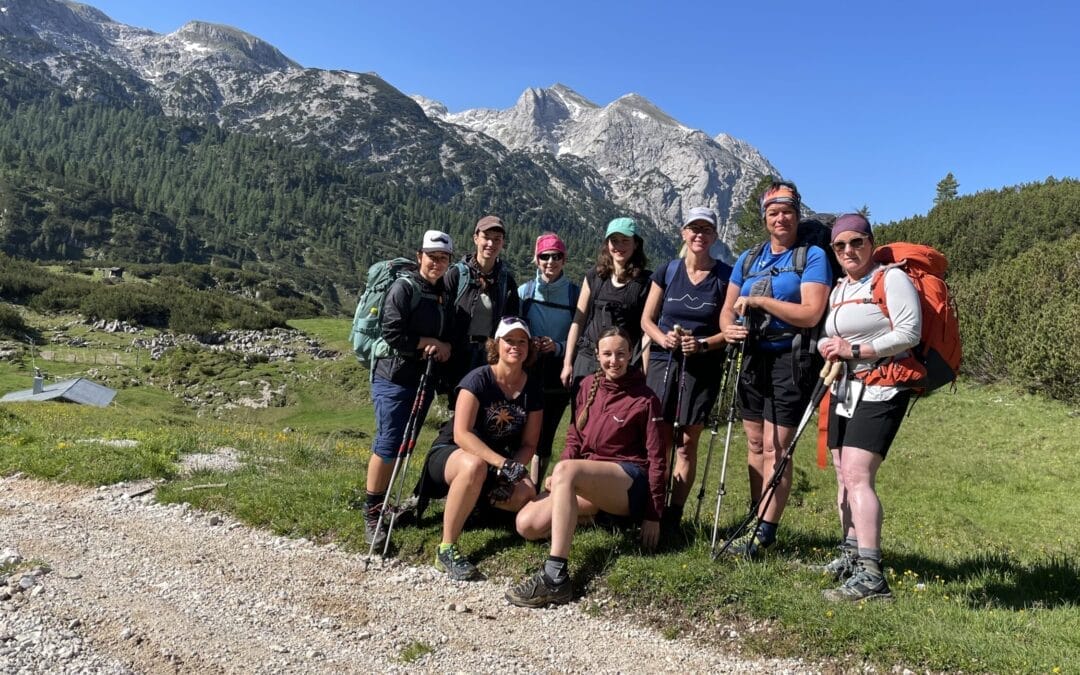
x,y
714,431
408,442
828,373
677,426
721,490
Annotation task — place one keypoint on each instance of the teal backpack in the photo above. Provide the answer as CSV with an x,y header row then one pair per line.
x,y
366,334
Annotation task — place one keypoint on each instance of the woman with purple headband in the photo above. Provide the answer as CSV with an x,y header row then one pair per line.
x,y
864,417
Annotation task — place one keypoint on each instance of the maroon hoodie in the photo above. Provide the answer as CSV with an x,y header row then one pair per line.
x,y
623,426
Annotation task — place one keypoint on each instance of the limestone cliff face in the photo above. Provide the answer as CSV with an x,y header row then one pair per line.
x,y
654,164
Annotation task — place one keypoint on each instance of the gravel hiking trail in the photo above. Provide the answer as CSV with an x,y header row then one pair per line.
x,y
116,584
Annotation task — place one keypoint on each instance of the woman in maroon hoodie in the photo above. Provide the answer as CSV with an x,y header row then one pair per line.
x,y
614,461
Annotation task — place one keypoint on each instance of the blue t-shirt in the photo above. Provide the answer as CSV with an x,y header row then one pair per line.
x,y
695,307
499,421
780,269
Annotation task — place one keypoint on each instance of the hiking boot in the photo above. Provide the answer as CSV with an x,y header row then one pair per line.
x,y
374,535
537,591
840,568
863,585
749,546
456,566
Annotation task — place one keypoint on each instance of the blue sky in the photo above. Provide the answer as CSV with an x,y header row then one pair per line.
x,y
859,103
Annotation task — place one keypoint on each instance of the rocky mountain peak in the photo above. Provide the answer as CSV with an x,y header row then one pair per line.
x,y
643,108
655,164
67,24
220,38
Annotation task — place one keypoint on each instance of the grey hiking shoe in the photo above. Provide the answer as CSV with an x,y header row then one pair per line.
x,y
456,566
841,568
536,592
374,535
863,585
749,546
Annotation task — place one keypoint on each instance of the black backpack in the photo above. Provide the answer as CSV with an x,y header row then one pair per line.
x,y
815,230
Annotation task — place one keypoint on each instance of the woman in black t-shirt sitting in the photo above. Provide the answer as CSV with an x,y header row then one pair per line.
x,y
482,453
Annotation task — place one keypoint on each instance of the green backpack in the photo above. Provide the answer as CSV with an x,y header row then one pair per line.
x,y
366,334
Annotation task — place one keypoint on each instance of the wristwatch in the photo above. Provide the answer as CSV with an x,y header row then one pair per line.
x,y
855,352
703,344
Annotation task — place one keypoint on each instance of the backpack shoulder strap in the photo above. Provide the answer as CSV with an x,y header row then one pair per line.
x,y
751,256
798,258
670,272
462,281
528,297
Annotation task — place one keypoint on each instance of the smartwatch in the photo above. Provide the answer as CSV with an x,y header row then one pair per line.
x,y
855,352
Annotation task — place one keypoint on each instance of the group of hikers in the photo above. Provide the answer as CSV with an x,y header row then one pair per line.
x,y
637,356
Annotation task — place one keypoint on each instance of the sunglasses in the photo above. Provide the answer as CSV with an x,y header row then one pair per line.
x,y
854,244
545,257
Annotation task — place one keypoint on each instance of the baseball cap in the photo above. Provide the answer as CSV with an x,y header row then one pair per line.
x,y
490,223
700,213
623,226
549,242
511,323
436,241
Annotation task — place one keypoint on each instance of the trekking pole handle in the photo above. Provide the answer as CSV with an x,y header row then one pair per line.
x,y
830,371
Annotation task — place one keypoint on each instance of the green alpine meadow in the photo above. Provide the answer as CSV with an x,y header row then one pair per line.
x,y
980,533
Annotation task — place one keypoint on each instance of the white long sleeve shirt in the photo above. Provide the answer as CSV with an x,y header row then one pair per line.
x,y
862,322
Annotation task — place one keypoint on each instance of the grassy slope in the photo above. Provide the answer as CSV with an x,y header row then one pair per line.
x,y
980,531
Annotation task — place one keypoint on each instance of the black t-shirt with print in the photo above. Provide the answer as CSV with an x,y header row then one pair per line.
x,y
499,421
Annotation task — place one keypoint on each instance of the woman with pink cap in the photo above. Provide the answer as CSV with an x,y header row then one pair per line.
x,y
547,305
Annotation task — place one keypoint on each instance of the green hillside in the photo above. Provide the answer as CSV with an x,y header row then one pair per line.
x,y
1014,258
81,181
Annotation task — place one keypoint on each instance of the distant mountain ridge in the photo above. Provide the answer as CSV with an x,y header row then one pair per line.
x,y
654,163
555,159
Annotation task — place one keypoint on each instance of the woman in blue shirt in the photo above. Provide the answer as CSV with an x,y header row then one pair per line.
x,y
776,304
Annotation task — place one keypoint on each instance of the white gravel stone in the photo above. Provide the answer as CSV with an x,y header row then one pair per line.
x,y
167,595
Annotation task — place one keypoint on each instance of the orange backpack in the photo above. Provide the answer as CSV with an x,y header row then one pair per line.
x,y
935,361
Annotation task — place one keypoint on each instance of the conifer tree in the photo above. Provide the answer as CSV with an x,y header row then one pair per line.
x,y
946,189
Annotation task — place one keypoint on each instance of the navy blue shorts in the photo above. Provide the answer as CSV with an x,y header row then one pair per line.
x,y
638,494
393,403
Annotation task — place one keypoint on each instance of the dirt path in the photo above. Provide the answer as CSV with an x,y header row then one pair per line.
x,y
139,586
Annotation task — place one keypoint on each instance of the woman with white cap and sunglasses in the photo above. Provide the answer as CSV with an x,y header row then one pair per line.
x,y
548,302
481,453
687,294
415,328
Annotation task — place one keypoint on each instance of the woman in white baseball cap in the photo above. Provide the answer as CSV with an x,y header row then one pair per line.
x,y
414,329
482,453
